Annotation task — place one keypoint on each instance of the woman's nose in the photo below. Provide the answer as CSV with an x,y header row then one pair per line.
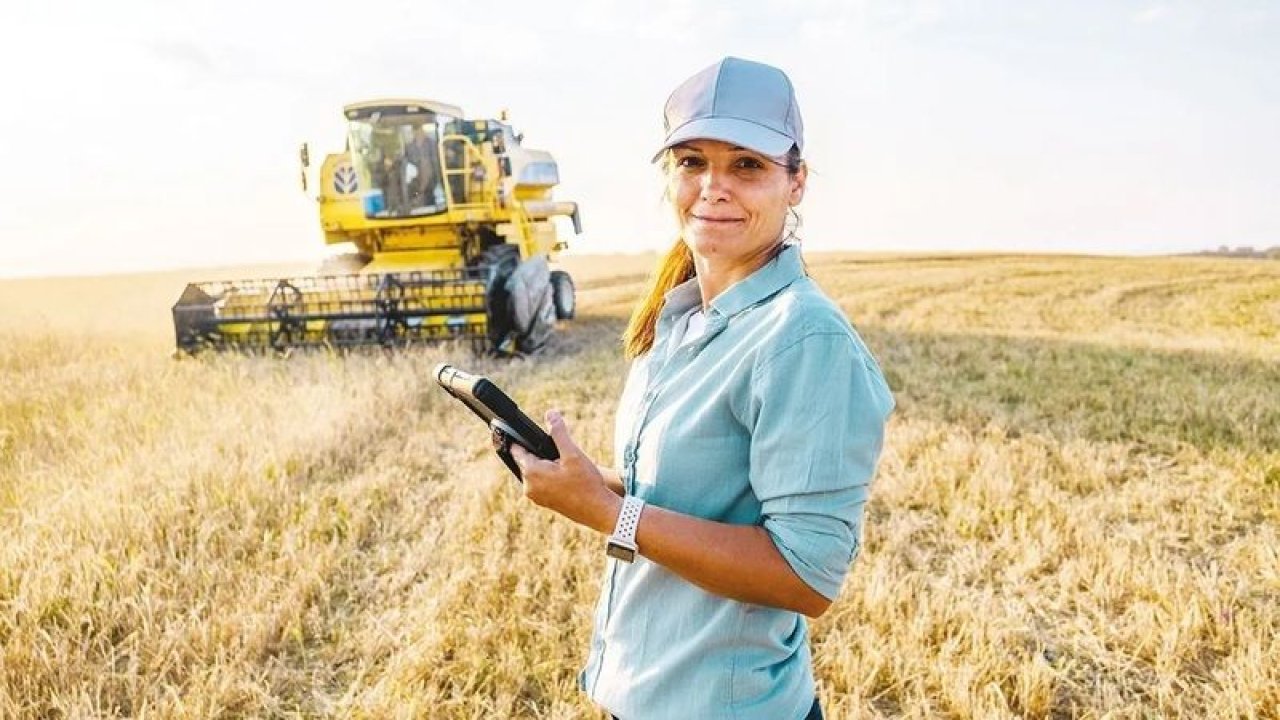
x,y
713,186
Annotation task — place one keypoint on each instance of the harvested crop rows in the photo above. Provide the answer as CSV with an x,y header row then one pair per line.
x,y
1077,512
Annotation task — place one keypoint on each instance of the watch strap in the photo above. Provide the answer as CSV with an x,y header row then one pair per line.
x,y
622,543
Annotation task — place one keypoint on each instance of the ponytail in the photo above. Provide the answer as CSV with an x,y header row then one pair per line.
x,y
675,268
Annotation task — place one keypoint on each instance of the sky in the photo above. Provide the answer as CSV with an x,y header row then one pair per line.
x,y
148,134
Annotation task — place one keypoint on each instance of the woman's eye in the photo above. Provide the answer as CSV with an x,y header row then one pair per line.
x,y
748,163
689,161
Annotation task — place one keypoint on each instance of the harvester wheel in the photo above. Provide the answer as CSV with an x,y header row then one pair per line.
x,y
520,300
533,311
562,294
501,260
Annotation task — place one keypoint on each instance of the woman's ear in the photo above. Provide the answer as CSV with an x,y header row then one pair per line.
x,y
798,184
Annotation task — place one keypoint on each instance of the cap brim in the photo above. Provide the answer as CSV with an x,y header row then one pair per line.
x,y
742,133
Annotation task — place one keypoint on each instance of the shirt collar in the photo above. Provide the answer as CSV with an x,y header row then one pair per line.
x,y
785,268
681,298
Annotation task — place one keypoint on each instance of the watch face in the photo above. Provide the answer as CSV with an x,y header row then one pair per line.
x,y
620,552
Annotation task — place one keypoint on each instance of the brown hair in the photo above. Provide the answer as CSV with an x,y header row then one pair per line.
x,y
674,268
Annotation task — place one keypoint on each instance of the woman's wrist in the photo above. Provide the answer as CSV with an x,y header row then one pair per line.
x,y
604,516
612,480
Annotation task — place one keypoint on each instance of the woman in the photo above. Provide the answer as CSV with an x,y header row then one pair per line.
x,y
747,434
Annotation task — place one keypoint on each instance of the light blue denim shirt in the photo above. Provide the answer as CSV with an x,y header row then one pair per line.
x,y
774,417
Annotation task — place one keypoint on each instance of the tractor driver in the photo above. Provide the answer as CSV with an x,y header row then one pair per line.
x,y
423,154
388,167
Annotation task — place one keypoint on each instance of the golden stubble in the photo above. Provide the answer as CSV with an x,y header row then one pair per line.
x,y
1075,516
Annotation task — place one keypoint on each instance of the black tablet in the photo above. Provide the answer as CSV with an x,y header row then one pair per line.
x,y
507,423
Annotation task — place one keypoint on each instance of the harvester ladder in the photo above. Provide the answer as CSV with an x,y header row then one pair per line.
x,y
472,160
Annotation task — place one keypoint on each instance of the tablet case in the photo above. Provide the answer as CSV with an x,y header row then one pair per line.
x,y
507,423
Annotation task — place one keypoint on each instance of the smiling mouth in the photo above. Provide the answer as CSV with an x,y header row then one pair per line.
x,y
717,220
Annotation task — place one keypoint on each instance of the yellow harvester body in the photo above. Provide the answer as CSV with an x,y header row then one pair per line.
x,y
452,223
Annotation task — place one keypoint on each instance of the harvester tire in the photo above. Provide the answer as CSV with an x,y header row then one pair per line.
x,y
501,261
533,312
562,294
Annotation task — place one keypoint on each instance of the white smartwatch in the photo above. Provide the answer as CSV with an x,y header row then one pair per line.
x,y
622,543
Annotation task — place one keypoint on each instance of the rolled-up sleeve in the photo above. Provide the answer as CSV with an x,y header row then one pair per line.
x,y
819,408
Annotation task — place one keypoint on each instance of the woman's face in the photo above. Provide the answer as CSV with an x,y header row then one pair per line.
x,y
731,203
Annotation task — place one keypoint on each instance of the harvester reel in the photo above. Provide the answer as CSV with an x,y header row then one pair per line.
x,y
337,311
285,304
389,299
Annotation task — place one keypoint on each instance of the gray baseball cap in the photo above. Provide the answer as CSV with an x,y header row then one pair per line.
x,y
737,101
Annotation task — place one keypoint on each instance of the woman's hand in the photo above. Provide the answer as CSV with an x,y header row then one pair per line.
x,y
573,485
734,561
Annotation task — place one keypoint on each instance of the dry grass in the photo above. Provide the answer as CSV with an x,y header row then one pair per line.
x,y
1076,516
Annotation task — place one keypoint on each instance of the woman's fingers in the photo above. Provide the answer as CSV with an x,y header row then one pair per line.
x,y
528,462
572,485
521,456
560,433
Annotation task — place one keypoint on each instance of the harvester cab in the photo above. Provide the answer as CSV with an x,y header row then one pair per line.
x,y
452,222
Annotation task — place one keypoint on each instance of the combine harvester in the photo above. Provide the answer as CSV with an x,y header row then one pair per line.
x,y
452,222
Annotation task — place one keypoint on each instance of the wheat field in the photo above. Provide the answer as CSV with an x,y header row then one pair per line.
x,y
1077,513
